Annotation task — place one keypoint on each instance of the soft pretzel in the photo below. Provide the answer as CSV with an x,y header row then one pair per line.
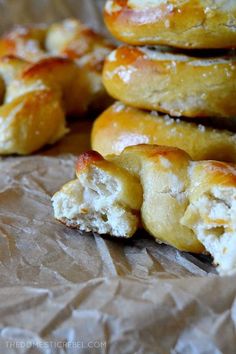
x,y
185,204
121,126
68,39
178,23
37,98
62,75
172,83
100,199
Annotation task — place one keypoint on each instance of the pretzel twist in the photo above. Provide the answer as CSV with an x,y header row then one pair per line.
x,y
187,204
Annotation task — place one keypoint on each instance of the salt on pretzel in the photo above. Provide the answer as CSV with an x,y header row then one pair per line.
x,y
177,23
26,42
187,204
170,82
121,126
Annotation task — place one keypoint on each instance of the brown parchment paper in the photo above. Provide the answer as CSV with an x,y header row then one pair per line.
x,y
66,292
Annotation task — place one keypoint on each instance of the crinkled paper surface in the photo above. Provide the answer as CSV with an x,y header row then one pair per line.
x,y
67,292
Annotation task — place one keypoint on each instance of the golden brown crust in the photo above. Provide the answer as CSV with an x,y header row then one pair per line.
x,y
121,126
86,159
183,24
35,102
70,82
45,67
172,83
31,121
214,173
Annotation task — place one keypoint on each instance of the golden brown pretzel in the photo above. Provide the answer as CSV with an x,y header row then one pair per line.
x,y
172,83
32,113
178,23
63,76
121,126
182,203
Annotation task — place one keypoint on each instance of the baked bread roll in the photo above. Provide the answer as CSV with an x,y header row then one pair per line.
x,y
183,24
176,84
185,204
121,126
104,198
32,113
68,39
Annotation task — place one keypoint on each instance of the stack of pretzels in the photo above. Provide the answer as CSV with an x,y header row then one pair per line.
x,y
162,93
178,61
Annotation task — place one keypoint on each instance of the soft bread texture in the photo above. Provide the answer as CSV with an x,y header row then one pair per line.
x,y
172,83
68,39
187,204
183,23
121,126
32,113
211,213
104,198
